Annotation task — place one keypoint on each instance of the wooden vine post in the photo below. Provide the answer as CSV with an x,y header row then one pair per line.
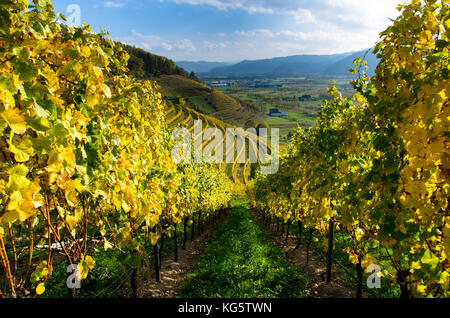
x,y
176,243
192,228
309,244
185,233
359,274
156,256
330,249
300,229
287,231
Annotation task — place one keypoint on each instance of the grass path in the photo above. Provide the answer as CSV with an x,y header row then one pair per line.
x,y
241,261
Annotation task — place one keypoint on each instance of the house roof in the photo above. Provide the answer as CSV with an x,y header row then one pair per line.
x,y
276,112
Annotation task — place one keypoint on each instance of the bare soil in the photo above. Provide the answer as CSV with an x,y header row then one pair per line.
x,y
173,274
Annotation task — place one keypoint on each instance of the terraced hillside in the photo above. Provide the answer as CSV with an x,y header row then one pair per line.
x,y
209,101
179,114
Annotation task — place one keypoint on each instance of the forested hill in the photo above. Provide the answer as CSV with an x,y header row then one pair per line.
x,y
143,64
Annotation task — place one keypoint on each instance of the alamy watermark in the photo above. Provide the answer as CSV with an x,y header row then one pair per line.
x,y
74,18
374,279
73,280
73,15
237,145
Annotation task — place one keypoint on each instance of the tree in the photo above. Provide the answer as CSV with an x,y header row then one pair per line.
x,y
135,66
194,77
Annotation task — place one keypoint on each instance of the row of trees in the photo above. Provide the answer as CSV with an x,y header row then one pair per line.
x,y
143,64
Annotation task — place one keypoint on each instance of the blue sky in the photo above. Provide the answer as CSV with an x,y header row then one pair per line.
x,y
234,30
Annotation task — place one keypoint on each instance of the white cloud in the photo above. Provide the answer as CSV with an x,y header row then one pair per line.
x,y
303,16
300,14
254,33
156,44
320,41
365,13
215,45
113,4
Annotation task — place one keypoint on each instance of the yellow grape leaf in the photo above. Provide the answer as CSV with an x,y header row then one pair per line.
x,y
40,289
154,219
45,271
68,156
89,261
444,278
7,98
72,195
98,72
421,289
106,90
15,119
24,201
85,51
447,242
18,209
391,85
415,265
17,177
91,100
54,162
125,206
368,260
71,221
22,151
353,258
84,266
107,245
117,202
153,238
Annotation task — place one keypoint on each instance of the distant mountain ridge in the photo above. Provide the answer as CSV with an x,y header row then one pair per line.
x,y
299,65
200,66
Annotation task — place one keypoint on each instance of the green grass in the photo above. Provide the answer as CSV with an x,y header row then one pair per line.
x,y
242,262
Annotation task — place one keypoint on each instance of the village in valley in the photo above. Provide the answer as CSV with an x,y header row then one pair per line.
x,y
288,102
